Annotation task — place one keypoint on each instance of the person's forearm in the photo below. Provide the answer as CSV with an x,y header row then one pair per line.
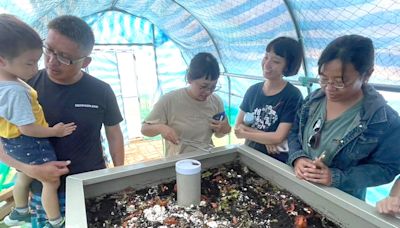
x,y
48,172
115,144
263,137
118,157
38,131
151,130
11,161
117,152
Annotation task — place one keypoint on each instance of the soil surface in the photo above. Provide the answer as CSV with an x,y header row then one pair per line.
x,y
232,196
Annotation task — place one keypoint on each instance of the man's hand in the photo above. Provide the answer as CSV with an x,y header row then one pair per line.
x,y
48,172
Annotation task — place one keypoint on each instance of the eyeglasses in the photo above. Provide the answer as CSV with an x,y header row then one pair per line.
x,y
323,81
315,138
211,89
66,61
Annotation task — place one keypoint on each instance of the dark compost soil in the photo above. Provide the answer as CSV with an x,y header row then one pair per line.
x,y
232,196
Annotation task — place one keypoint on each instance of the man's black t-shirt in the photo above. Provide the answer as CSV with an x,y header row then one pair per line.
x,y
88,103
270,111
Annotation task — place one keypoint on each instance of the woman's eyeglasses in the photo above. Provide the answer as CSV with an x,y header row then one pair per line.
x,y
315,138
211,89
338,84
208,88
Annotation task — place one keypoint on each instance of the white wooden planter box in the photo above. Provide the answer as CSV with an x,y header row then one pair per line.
x,y
338,206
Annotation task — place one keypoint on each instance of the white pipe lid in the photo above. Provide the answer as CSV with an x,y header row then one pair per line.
x,y
188,167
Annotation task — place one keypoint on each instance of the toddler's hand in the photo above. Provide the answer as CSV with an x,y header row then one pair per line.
x,y
62,129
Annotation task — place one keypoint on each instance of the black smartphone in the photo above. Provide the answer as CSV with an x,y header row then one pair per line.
x,y
219,116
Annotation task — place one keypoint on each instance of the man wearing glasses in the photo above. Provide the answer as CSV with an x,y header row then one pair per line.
x,y
68,94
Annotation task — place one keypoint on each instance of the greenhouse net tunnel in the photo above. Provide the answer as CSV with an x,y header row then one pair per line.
x,y
143,47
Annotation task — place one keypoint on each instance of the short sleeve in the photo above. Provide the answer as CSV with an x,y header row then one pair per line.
x,y
15,106
292,105
158,115
245,105
112,114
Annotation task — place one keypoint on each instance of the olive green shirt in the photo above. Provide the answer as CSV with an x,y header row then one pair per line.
x,y
332,131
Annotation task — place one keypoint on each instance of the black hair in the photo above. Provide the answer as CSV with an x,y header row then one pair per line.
x,y
350,49
16,37
203,65
289,49
75,29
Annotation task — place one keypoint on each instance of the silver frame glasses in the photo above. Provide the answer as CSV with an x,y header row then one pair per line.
x,y
66,61
336,84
